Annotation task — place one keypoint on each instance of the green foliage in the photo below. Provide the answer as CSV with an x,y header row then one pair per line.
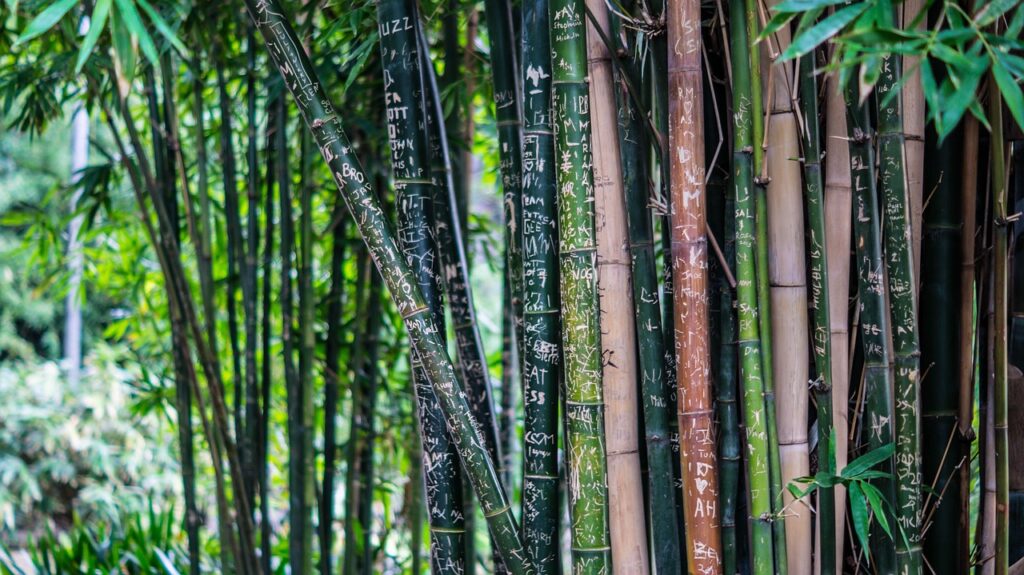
x,y
955,54
81,452
867,502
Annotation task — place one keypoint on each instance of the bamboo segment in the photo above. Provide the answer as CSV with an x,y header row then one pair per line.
x,y
787,273
295,67
899,262
542,349
749,343
1001,232
947,340
414,195
577,252
825,555
690,283
618,332
913,131
838,206
874,316
656,395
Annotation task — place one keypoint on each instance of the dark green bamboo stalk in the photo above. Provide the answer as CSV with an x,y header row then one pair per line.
x,y
248,436
821,338
753,400
369,407
541,358
874,316
332,351
577,252
1000,256
276,138
410,162
326,127
232,217
655,393
307,348
509,375
903,313
508,114
760,182
204,221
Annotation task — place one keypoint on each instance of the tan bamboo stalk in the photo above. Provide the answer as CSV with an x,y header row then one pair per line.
x,y
965,415
838,217
690,282
913,131
627,523
787,277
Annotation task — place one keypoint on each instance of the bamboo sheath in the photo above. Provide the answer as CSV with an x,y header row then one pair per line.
x,y
618,333
690,283
838,206
427,340
788,280
577,251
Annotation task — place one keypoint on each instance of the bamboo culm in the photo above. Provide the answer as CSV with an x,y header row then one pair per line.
x,y
541,358
427,340
577,252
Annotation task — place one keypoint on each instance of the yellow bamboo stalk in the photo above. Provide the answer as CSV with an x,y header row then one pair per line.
x,y
787,276
838,206
913,130
627,523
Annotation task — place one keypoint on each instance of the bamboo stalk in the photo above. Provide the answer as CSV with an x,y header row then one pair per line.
x,y
899,260
914,132
578,276
248,438
944,336
968,300
753,400
322,120
825,556
356,428
655,394
1000,256
410,164
618,331
874,317
838,206
689,275
542,347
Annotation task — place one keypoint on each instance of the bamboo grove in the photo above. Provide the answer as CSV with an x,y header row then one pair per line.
x,y
533,286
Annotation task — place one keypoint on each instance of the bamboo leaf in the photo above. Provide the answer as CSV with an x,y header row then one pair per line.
x,y
1009,88
823,30
45,20
861,517
779,20
875,500
96,24
797,6
991,11
134,24
125,62
161,26
868,460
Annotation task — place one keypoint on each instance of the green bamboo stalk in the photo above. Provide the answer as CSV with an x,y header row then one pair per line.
x,y
753,399
307,348
577,252
248,436
874,316
332,376
323,121
760,181
369,407
204,222
655,393
414,188
541,358
508,113
1001,232
821,338
509,375
899,262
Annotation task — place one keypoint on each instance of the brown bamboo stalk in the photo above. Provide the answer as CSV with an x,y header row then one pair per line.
x,y
627,522
788,287
838,215
690,283
965,415
913,130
